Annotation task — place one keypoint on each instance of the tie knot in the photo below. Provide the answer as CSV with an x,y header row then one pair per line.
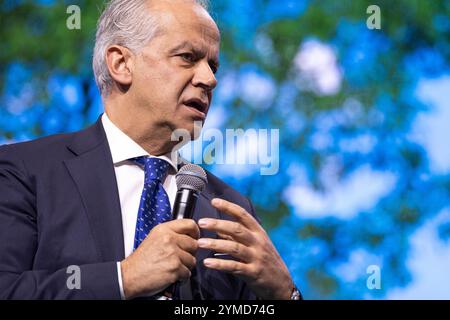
x,y
155,168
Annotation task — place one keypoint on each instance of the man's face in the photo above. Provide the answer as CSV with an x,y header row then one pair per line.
x,y
173,76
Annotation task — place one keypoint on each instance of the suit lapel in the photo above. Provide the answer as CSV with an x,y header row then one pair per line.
x,y
93,173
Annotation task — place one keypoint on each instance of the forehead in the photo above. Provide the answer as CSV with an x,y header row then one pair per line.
x,y
182,21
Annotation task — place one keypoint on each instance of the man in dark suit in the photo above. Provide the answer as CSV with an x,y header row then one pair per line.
x,y
75,199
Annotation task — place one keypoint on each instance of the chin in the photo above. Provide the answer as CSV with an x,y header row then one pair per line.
x,y
195,129
188,131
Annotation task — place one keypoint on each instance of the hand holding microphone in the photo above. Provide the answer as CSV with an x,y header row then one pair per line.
x,y
167,254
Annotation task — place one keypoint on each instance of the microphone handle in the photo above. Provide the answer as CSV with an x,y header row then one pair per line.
x,y
184,204
183,208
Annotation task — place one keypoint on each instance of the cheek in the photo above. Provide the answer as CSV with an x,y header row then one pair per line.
x,y
171,90
161,83
152,70
153,82
155,76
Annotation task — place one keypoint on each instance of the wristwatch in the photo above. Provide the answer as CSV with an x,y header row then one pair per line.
x,y
296,295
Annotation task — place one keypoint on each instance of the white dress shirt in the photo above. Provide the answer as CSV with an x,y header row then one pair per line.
x,y
130,182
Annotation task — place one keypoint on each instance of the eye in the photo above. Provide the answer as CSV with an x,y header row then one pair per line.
x,y
214,68
187,56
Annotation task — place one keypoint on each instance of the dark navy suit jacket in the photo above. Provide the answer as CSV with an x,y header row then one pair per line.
x,y
59,206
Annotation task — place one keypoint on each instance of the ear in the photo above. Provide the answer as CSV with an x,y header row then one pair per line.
x,y
120,65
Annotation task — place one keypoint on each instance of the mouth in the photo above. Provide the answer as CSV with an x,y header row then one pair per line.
x,y
200,106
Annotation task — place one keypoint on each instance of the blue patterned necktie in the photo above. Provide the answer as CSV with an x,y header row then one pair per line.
x,y
154,207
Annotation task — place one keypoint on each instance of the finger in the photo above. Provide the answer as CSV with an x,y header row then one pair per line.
x,y
185,226
231,266
184,274
239,213
231,228
186,243
225,236
232,248
187,259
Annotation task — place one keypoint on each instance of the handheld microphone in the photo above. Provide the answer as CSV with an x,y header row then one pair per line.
x,y
191,180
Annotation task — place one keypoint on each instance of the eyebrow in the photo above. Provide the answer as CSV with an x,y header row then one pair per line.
x,y
182,45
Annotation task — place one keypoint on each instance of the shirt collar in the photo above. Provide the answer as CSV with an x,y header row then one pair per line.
x,y
124,148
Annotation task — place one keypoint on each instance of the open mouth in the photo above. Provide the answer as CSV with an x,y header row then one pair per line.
x,y
197,104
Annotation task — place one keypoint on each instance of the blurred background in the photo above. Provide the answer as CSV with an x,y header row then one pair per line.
x,y
363,114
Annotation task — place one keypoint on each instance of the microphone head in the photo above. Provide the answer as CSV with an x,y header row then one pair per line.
x,y
191,176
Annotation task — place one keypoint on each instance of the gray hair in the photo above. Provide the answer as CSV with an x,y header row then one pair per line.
x,y
126,23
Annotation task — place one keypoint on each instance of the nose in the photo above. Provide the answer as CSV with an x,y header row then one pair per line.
x,y
204,77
